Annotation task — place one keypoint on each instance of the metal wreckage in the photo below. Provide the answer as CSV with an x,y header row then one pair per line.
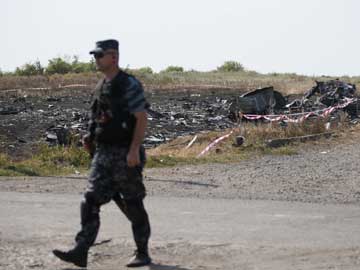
x,y
323,98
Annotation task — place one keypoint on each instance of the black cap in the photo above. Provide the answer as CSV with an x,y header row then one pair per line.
x,y
103,45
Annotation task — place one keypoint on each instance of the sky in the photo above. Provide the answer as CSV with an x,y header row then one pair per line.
x,y
310,37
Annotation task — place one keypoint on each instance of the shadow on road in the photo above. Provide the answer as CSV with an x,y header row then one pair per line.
x,y
155,266
181,182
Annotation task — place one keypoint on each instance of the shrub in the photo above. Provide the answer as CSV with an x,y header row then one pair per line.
x,y
59,66
30,69
174,69
79,67
231,66
146,70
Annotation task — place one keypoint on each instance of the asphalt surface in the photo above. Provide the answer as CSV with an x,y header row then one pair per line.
x,y
271,212
187,233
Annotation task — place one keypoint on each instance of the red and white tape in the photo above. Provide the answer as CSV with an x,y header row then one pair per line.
x,y
215,142
287,118
292,118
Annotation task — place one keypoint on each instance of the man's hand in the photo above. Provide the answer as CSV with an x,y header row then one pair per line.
x,y
133,158
88,144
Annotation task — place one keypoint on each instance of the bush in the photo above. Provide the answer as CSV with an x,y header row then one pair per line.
x,y
174,69
231,66
79,67
59,66
145,70
30,69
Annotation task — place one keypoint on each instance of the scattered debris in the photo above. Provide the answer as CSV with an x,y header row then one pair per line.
x,y
8,110
63,119
239,140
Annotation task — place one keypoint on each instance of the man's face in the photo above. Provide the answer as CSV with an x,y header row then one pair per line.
x,y
106,60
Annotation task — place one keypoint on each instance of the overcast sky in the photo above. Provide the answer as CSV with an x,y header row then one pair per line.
x,y
313,37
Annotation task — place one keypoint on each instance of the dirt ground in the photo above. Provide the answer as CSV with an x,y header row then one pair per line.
x,y
272,212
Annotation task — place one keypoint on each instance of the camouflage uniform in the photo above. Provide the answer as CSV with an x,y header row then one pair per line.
x,y
110,178
111,130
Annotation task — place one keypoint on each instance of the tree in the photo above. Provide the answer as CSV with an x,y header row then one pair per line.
x,y
231,66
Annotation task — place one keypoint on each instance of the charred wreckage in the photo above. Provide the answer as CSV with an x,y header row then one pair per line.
x,y
59,120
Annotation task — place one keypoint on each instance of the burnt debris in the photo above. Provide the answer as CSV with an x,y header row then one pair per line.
x,y
62,120
267,101
331,92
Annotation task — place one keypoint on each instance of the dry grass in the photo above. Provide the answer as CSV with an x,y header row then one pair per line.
x,y
256,135
51,81
242,81
48,85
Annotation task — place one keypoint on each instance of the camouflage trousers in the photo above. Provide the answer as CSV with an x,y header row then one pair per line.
x,y
111,179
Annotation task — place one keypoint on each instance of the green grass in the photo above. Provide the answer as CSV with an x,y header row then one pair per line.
x,y
66,160
48,161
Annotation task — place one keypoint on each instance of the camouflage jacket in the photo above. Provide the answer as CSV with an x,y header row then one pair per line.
x,y
111,117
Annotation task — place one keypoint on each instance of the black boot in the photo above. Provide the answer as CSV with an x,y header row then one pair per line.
x,y
140,258
77,255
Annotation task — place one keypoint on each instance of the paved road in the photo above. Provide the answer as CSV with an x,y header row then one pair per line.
x,y
188,233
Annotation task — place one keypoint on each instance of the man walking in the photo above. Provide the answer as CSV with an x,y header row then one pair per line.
x,y
116,131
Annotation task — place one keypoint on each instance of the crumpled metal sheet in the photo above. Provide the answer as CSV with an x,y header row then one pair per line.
x,y
260,101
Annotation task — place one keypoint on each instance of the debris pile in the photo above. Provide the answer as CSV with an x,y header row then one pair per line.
x,y
331,93
266,103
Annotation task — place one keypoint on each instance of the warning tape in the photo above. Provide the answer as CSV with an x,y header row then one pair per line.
x,y
211,145
288,117
284,117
